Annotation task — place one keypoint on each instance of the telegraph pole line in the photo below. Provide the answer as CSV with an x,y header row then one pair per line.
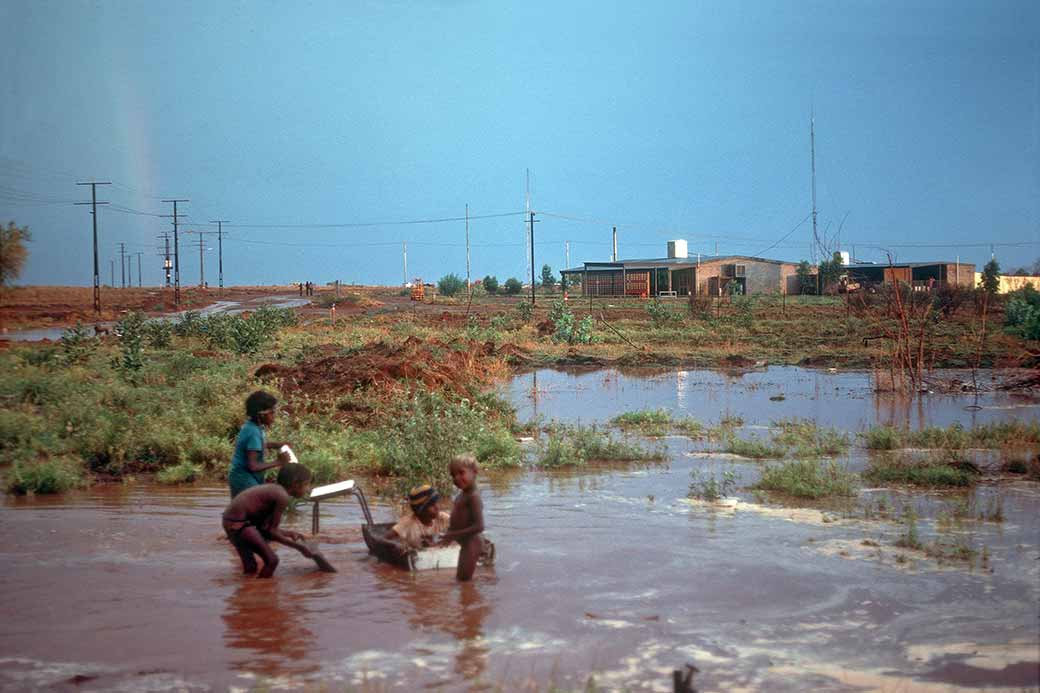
x,y
176,254
122,265
469,284
220,250
139,283
531,234
93,213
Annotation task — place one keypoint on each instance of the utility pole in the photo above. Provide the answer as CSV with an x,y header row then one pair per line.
x,y
93,214
527,208
139,284
812,155
176,254
202,268
122,265
112,267
716,248
469,284
613,255
531,215
167,265
567,254
220,249
404,258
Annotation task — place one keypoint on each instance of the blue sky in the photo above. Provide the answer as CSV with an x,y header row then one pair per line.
x,y
671,120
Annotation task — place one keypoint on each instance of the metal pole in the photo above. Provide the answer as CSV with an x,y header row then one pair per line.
x,y
139,284
469,284
532,257
112,267
122,265
176,255
220,251
404,259
613,255
202,266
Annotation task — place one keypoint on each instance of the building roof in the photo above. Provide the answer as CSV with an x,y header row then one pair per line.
x,y
663,262
883,265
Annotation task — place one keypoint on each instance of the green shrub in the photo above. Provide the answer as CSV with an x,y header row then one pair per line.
x,y
191,324
130,331
512,286
1022,315
881,438
754,448
808,479
158,333
55,475
182,473
663,315
76,344
450,284
525,310
430,430
566,330
711,488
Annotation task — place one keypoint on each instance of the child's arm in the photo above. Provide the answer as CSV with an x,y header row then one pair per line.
x,y
285,536
254,465
476,514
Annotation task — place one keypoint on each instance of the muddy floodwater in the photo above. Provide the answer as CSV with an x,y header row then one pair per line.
x,y
609,572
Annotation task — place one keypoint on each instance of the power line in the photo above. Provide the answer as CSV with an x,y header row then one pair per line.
x,y
351,225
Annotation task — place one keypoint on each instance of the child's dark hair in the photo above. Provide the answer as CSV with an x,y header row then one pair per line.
x,y
293,473
259,401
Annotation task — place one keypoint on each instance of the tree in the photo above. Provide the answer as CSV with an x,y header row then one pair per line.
x,y
830,272
450,284
13,252
806,278
991,277
490,284
548,279
513,286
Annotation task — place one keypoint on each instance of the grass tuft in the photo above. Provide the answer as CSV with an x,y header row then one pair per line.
x,y
808,479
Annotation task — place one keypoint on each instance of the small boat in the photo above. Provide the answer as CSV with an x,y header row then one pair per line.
x,y
430,558
393,552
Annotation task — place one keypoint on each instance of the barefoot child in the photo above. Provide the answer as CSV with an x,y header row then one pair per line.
x,y
247,464
424,521
251,519
467,516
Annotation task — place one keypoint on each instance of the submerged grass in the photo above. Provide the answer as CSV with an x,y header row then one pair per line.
x,y
659,422
808,479
997,434
574,446
933,471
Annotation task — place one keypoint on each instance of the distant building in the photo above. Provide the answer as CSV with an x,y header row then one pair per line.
x,y
679,275
919,274
1009,282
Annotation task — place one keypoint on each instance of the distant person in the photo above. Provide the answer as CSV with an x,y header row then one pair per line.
x,y
423,521
466,524
252,517
301,288
247,462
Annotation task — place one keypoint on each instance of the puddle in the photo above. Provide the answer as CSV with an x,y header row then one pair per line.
x,y
843,400
611,573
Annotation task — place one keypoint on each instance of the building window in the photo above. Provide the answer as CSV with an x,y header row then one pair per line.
x,y
739,271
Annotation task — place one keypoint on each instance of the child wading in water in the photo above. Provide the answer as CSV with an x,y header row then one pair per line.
x,y
252,518
467,515
247,464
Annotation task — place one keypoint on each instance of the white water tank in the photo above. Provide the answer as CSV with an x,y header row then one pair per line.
x,y
677,248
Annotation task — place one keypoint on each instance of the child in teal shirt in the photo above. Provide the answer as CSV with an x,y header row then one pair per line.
x,y
247,463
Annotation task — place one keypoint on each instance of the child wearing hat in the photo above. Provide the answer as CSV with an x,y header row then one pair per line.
x,y
423,521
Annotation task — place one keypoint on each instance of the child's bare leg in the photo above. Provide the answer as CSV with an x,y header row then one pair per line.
x,y
469,553
254,541
246,554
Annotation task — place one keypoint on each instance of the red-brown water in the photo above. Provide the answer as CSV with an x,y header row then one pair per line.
x,y
610,573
